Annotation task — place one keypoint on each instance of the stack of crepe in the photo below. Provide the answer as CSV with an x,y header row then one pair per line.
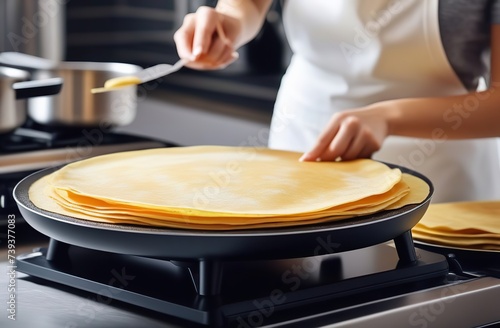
x,y
222,188
469,225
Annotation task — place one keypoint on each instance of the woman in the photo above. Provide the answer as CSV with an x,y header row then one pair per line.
x,y
371,72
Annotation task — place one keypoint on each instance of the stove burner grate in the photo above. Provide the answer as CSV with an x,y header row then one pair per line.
x,y
28,139
290,286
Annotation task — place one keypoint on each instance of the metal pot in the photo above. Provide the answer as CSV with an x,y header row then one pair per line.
x,y
76,106
14,89
35,27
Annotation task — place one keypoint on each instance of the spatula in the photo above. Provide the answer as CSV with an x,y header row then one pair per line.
x,y
154,72
146,75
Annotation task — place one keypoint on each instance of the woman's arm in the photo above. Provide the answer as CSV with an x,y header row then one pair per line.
x,y
208,37
360,132
250,14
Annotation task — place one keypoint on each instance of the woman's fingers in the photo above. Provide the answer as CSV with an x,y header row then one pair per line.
x,y
183,37
324,140
206,22
344,142
205,39
348,136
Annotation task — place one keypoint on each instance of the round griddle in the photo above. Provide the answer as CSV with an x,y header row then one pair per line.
x,y
178,244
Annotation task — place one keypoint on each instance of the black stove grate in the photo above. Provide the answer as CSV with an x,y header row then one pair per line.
x,y
250,290
35,137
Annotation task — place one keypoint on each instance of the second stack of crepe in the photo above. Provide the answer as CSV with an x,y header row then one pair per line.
x,y
222,188
468,225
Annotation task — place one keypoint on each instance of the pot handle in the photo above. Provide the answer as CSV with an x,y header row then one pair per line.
x,y
37,88
24,61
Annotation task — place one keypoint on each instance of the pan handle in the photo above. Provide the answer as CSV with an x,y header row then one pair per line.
x,y
37,88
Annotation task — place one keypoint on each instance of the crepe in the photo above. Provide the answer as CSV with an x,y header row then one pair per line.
x,y
219,180
474,225
222,188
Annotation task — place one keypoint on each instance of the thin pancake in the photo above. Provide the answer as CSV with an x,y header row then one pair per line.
x,y
43,196
474,225
364,206
214,181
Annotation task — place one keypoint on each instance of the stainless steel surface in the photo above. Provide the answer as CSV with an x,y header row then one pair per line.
x,y
35,27
12,111
467,304
76,105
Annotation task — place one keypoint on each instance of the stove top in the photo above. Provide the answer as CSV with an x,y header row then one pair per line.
x,y
334,289
28,153
26,140
35,146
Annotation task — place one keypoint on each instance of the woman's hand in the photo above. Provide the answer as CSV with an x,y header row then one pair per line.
x,y
207,39
350,135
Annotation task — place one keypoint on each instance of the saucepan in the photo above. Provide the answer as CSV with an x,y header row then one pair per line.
x,y
14,90
76,106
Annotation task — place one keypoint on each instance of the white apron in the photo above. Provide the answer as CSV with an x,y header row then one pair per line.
x,y
351,53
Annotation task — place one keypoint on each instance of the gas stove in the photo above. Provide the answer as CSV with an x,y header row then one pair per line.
x,y
359,288
33,147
